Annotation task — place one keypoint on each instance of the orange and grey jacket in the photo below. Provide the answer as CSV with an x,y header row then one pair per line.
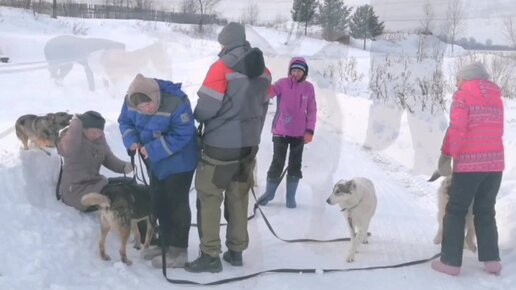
x,y
234,98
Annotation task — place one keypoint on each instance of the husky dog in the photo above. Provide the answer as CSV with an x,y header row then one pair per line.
x,y
43,131
357,200
443,197
122,206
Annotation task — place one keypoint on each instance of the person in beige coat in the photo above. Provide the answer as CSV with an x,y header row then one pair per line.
x,y
85,150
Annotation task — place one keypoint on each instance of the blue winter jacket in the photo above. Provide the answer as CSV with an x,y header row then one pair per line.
x,y
169,135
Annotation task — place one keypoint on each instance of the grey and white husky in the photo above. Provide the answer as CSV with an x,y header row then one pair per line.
x,y
357,200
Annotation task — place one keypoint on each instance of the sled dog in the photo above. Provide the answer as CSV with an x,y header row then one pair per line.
x,y
357,200
43,131
122,206
443,197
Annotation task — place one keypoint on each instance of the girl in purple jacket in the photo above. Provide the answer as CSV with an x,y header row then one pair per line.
x,y
293,126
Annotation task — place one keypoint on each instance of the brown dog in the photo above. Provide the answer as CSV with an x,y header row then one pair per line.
x,y
43,131
122,206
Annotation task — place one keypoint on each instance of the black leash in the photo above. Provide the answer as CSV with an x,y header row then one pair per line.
x,y
283,270
132,154
294,271
58,194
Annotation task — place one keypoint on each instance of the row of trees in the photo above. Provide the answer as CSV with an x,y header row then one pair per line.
x,y
336,20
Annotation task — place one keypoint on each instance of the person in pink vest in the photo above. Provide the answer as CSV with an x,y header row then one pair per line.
x,y
292,127
474,142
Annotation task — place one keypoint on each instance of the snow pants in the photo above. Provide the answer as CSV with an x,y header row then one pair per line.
x,y
481,189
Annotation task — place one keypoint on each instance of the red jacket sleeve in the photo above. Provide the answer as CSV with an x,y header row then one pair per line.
x,y
212,92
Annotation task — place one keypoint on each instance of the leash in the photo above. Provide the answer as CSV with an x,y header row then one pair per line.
x,y
282,270
131,154
292,271
58,194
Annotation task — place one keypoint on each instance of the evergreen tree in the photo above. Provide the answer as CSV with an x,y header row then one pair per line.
x,y
333,17
364,24
303,11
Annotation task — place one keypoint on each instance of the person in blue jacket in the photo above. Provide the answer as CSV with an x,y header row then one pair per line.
x,y
157,121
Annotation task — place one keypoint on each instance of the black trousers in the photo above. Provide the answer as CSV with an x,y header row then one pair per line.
x,y
295,157
481,189
171,200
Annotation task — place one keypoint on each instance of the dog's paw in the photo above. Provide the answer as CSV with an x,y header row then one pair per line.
x,y
350,258
470,246
437,239
137,246
126,261
365,241
105,257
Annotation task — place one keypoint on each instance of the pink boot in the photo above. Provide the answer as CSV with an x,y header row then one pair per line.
x,y
443,268
493,267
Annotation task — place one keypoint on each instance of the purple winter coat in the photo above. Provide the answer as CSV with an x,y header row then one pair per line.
x,y
296,110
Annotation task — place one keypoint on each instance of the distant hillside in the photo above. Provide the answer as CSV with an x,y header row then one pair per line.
x,y
483,19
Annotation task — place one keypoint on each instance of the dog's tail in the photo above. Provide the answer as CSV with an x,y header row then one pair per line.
x,y
94,198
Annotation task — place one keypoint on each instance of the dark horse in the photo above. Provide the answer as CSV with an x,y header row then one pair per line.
x,y
62,51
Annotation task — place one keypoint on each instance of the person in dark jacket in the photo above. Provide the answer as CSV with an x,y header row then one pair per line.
x,y
232,105
157,121
84,150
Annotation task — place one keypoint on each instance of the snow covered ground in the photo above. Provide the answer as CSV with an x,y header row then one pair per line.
x,y
47,245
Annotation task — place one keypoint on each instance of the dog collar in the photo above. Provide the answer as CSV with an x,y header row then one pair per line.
x,y
344,209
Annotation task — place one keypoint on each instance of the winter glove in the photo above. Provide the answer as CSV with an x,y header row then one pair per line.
x,y
308,137
444,167
128,168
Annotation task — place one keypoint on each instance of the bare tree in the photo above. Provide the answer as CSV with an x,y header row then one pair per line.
x,y
455,19
189,6
251,14
27,4
509,29
144,4
205,7
428,18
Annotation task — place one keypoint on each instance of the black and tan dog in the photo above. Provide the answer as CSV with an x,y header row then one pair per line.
x,y
122,206
43,131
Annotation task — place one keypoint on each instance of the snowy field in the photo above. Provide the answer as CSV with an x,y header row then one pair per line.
x,y
47,245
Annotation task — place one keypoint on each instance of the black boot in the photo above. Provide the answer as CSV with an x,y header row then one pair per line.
x,y
204,263
270,191
292,183
233,257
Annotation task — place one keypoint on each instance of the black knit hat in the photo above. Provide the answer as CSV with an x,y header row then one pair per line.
x,y
92,119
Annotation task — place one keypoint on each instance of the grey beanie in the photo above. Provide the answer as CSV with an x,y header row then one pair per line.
x,y
92,119
473,71
232,34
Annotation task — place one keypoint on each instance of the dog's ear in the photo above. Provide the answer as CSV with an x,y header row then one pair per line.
x,y
349,186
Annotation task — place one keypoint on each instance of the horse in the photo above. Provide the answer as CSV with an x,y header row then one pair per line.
x,y
121,66
61,52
